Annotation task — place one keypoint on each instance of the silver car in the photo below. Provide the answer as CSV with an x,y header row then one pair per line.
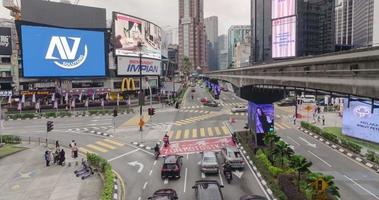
x,y
233,156
208,163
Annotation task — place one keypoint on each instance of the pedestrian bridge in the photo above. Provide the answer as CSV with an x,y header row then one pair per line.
x,y
354,72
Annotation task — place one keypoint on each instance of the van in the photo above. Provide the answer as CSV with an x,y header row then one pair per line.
x,y
308,99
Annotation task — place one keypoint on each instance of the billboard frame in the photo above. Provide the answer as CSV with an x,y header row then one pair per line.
x,y
296,38
20,23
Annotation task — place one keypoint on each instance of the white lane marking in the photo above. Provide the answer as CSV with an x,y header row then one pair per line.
x,y
293,140
165,181
219,175
185,180
151,171
320,159
187,156
202,175
360,186
144,186
308,143
155,162
125,154
139,198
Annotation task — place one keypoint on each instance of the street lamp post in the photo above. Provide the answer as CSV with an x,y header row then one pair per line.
x,y
140,82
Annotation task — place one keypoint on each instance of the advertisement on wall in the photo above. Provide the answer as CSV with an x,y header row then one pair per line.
x,y
284,37
62,52
130,66
283,8
129,31
5,41
359,122
261,117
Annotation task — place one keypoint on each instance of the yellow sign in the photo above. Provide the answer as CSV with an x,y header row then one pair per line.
x,y
321,185
128,84
308,108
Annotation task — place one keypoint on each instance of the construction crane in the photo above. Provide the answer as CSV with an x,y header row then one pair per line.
x,y
14,8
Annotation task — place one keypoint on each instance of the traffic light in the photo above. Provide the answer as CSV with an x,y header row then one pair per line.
x,y
50,126
151,111
115,113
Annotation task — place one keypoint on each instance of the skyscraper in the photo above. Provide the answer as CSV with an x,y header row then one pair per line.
x,y
211,29
365,23
222,51
192,39
236,34
344,23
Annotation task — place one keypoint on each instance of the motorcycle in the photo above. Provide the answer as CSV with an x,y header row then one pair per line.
x,y
228,176
234,138
156,155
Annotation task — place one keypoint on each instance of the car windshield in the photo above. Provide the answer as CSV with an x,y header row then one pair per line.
x,y
209,192
169,166
234,154
209,159
160,198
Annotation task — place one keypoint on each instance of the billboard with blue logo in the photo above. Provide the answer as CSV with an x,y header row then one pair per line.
x,y
59,52
359,122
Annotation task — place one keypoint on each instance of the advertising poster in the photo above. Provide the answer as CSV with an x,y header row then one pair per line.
x,y
129,31
261,117
359,122
5,41
284,37
130,66
283,8
62,52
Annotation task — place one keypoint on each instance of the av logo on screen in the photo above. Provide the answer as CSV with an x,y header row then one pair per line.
x,y
362,111
68,56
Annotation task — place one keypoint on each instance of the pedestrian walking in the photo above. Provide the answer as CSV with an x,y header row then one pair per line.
x,y
75,151
294,119
62,157
318,118
47,158
323,120
56,156
57,144
72,143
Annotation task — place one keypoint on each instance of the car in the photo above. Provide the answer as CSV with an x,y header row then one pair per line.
x,y
252,197
239,109
233,156
193,90
164,194
172,165
287,102
208,163
204,100
208,190
211,104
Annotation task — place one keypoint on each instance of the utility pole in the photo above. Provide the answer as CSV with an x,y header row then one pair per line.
x,y
140,85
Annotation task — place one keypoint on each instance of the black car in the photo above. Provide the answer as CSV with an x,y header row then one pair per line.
x,y
252,197
287,102
211,104
208,190
164,194
172,165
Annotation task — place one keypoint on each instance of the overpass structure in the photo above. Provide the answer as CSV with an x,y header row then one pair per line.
x,y
354,73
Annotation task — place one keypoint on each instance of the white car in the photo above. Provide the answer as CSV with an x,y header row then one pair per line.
x,y
239,109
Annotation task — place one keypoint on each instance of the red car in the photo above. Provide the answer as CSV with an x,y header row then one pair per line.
x,y
204,100
172,165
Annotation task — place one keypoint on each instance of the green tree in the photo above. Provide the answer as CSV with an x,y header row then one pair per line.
x,y
282,150
301,165
187,67
269,139
332,188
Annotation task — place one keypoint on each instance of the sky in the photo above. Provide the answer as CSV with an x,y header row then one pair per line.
x,y
165,12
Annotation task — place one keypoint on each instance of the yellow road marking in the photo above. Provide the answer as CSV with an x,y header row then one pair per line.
x,y
84,150
186,134
226,130
178,134
105,145
210,132
202,132
280,126
276,127
114,142
170,134
94,147
217,131
194,133
285,125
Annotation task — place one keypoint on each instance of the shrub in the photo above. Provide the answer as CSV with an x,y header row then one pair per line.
x,y
289,188
106,169
372,156
311,127
64,114
351,146
11,139
329,136
50,114
274,171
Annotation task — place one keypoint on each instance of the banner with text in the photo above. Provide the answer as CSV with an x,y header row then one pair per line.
x,y
130,66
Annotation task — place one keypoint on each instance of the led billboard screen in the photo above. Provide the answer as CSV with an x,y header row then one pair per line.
x,y
58,52
359,122
261,117
283,8
128,31
5,41
284,37
130,66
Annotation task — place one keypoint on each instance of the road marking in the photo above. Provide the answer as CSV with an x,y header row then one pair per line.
x,y
320,159
170,134
308,143
366,190
105,145
210,132
194,133
186,134
185,180
84,150
293,140
97,148
165,181
226,130
202,132
187,156
178,134
219,175
139,198
155,162
114,142
151,171
125,154
202,175
144,185
280,126
217,131
285,125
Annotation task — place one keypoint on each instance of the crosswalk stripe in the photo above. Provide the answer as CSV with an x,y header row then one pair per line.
x,y
108,146
84,150
114,142
225,130
217,131
280,126
202,132
285,125
170,134
178,134
276,127
194,133
210,132
97,148
186,134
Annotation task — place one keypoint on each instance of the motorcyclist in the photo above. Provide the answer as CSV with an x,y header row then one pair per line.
x,y
227,168
157,150
192,96
166,139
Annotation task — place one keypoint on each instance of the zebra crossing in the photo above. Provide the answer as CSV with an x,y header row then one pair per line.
x,y
232,104
100,146
194,111
196,119
101,130
192,107
281,126
194,133
238,114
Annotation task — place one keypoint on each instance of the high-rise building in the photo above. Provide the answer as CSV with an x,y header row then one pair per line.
x,y
236,34
261,34
192,39
344,23
211,29
222,51
365,23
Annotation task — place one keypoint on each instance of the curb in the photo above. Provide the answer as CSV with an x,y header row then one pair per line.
x,y
342,150
115,188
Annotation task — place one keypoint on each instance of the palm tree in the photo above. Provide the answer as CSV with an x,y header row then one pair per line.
x,y
332,189
283,150
301,165
270,138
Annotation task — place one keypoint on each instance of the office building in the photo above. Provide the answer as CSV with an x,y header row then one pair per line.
x,y
211,29
222,52
236,34
365,23
344,24
192,38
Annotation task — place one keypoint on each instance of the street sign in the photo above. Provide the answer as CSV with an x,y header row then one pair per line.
x,y
321,184
308,108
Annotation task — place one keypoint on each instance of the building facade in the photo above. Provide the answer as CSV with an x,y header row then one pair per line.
x,y
365,23
211,29
192,38
236,34
344,24
261,31
222,52
242,54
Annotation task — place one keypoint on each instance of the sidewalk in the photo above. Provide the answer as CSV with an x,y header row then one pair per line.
x,y
25,176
